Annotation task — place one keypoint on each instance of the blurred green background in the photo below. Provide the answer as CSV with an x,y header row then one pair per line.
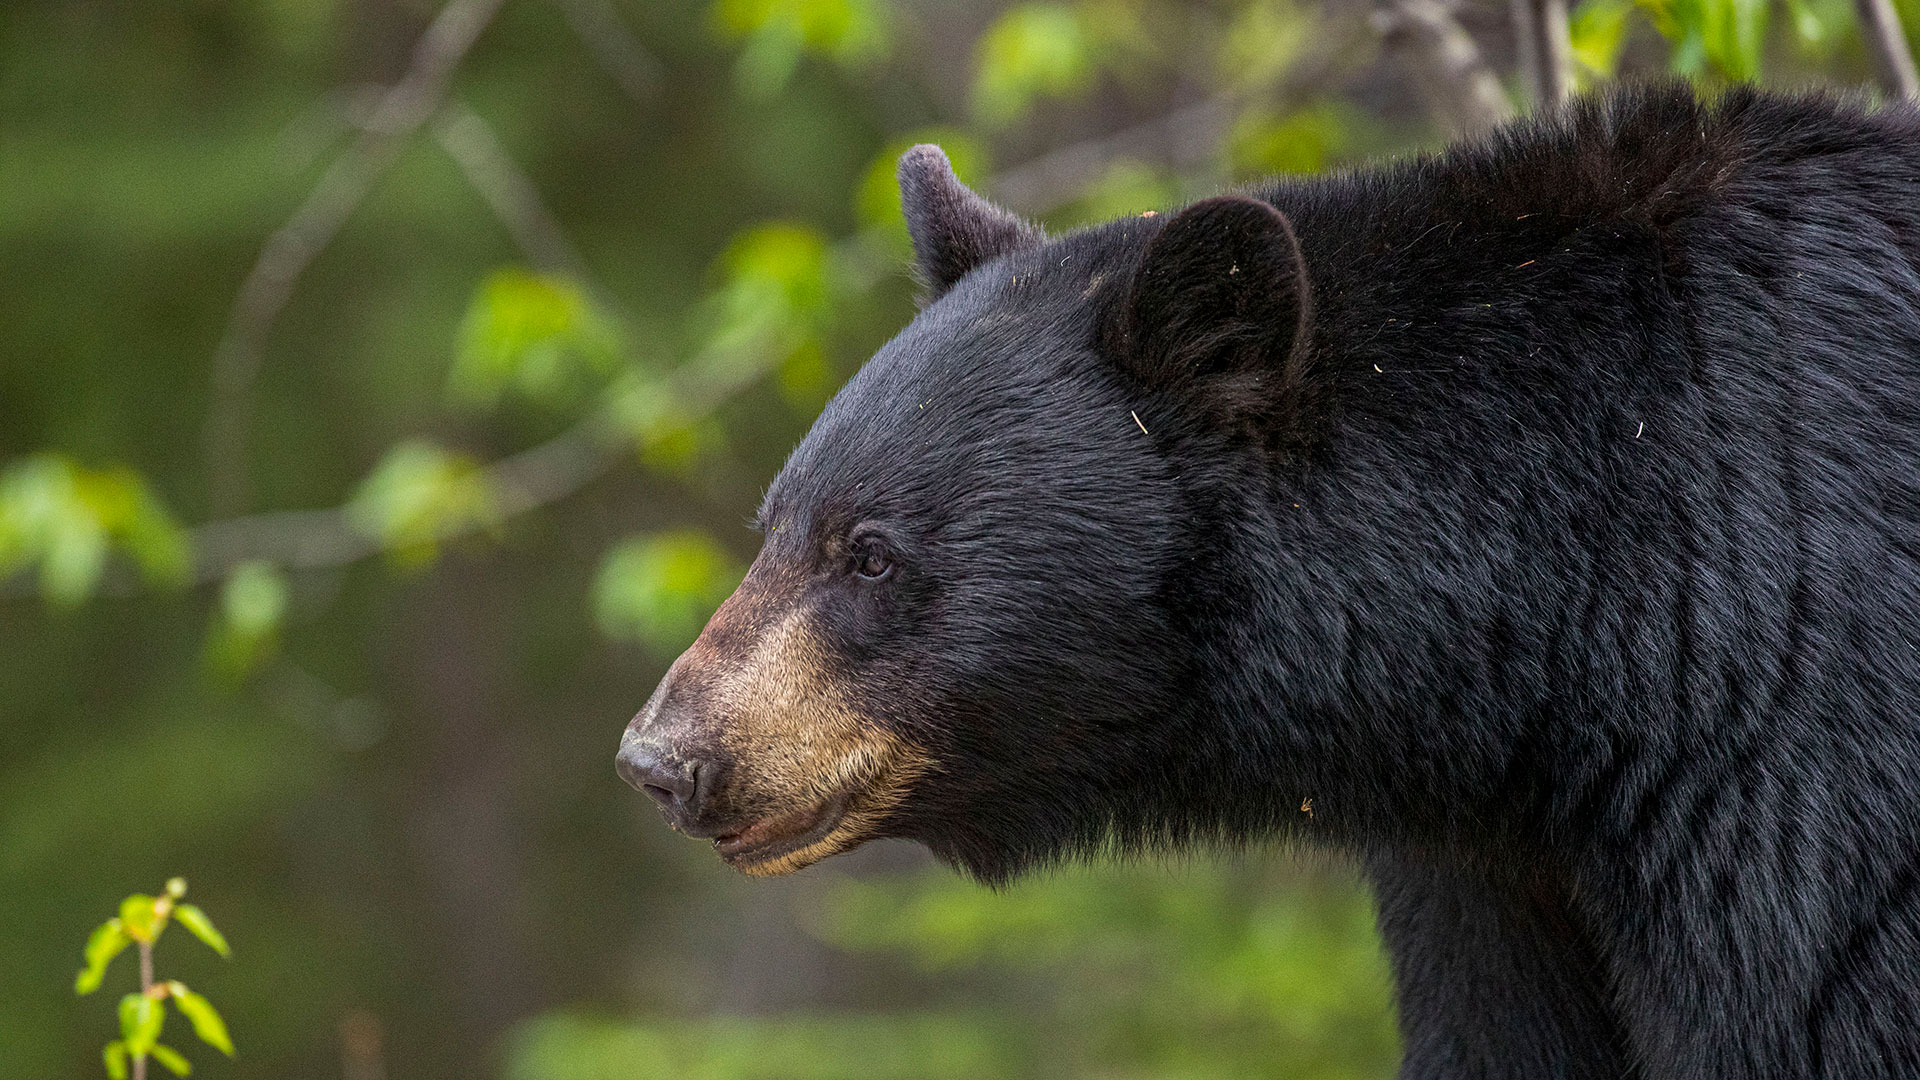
x,y
384,387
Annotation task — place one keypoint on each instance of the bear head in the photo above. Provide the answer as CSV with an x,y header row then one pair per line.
x,y
968,622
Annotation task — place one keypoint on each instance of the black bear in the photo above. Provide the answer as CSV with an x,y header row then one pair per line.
x,y
1546,511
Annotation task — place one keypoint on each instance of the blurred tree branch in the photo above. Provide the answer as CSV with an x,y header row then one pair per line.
x,y
618,52
1465,93
1887,41
1546,49
1180,138
291,249
514,199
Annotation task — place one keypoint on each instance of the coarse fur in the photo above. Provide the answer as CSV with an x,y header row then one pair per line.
x,y
1546,510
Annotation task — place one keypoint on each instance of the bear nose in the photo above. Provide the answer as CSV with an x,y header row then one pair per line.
x,y
672,782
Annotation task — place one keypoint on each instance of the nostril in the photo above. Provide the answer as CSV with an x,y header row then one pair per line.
x,y
672,783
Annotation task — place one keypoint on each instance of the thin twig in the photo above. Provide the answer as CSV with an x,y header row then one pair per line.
x,y
524,482
618,52
146,988
514,199
1180,138
289,251
1546,49
1880,29
1464,91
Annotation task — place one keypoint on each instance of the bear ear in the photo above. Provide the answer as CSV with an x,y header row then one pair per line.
x,y
1219,301
953,229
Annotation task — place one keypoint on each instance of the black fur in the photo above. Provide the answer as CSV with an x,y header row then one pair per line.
x,y
1551,520
953,229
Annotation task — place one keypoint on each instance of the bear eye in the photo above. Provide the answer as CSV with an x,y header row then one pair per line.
x,y
871,562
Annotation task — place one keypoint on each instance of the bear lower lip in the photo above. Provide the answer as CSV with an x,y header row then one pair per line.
x,y
770,838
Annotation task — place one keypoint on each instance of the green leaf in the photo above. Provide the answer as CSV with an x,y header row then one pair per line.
x,y
536,335
105,943
661,589
254,599
206,1022
67,518
141,1019
200,926
778,32
138,919
1030,51
1598,33
175,1062
115,1056
418,496
778,287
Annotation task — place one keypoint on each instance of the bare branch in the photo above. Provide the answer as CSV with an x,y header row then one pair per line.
x,y
1179,139
470,141
619,53
1464,91
1880,29
1546,49
293,248
524,482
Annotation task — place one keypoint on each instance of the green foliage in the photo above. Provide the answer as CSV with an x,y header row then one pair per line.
x,y
253,603
66,518
417,497
1722,37
142,920
1598,29
1200,971
778,32
891,1046
1262,43
1126,187
1304,141
777,287
1031,51
531,334
661,589
1207,972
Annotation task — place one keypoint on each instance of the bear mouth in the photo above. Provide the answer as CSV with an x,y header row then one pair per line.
x,y
773,838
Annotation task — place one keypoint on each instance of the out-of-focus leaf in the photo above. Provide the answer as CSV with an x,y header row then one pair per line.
x,y
1302,142
885,1046
1725,36
1262,42
661,589
175,1062
115,1057
418,496
777,286
138,918
254,599
200,926
205,1020
677,448
253,602
141,1019
777,33
1598,29
67,518
1030,51
533,334
105,943
1127,187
